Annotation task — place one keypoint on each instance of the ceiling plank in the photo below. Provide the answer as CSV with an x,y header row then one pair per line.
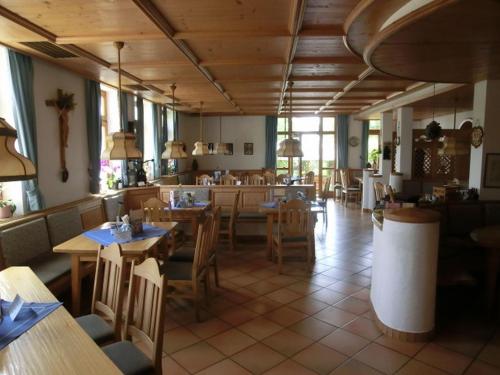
x,y
230,34
103,38
312,60
154,14
324,31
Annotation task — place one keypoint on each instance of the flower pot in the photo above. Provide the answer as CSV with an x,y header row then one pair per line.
x,y
5,212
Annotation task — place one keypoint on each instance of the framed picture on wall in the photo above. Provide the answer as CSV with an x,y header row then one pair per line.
x,y
229,149
492,171
248,148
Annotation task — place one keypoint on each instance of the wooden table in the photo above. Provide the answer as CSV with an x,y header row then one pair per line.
x,y
272,217
193,215
56,344
489,238
83,249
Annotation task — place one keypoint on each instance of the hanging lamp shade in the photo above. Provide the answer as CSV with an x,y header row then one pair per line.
x,y
174,149
200,147
14,166
120,145
290,147
220,148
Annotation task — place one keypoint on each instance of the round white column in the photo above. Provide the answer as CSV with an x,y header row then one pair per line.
x,y
365,203
371,192
396,182
404,273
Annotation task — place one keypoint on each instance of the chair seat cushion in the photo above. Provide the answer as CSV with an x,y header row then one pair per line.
x,y
129,359
96,327
52,266
182,254
177,270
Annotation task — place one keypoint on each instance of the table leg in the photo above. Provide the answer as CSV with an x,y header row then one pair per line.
x,y
492,262
270,222
76,286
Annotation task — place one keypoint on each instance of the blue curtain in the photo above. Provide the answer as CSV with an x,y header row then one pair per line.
x,y
271,139
342,141
124,126
156,141
163,138
139,125
21,67
365,131
94,141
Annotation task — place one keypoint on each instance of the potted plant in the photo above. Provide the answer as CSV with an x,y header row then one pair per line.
x,y
7,208
373,157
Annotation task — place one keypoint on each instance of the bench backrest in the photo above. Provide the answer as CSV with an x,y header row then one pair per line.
x,y
64,225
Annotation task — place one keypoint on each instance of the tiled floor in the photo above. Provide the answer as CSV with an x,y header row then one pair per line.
x,y
320,323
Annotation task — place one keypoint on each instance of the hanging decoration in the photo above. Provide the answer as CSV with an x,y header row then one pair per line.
x,y
64,103
433,130
220,148
290,147
174,149
200,148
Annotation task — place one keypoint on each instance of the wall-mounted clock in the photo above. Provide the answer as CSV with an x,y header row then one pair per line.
x,y
477,136
354,141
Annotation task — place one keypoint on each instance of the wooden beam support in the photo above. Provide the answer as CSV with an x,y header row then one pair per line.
x,y
156,16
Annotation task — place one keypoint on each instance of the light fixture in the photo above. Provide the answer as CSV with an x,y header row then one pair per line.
x,y
433,129
220,148
450,145
174,149
200,148
120,145
290,147
14,165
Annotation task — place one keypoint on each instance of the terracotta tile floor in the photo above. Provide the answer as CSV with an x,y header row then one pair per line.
x,y
260,322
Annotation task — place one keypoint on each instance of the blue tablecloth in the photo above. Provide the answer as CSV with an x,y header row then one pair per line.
x,y
269,205
105,238
30,314
195,204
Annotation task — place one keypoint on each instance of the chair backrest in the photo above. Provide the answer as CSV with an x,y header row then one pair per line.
x,y
281,177
202,247
112,205
294,218
344,179
269,178
390,192
309,180
234,209
64,225
109,286
204,179
228,180
146,307
215,230
256,179
156,210
379,191
326,188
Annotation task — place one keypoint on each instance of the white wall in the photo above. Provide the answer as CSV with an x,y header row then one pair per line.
x,y
235,129
47,79
445,121
355,130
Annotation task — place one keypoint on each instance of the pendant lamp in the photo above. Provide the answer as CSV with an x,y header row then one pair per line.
x,y
120,145
174,149
200,148
220,148
450,146
433,129
14,165
290,147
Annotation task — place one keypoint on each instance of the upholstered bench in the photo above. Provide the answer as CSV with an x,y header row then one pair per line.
x,y
28,244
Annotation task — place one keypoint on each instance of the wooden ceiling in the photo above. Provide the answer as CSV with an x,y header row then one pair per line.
x,y
234,55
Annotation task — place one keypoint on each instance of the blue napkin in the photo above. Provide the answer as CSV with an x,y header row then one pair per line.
x,y
28,316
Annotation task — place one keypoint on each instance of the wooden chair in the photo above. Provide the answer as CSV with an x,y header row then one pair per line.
x,y
107,299
295,230
269,178
379,189
187,277
390,192
204,179
323,199
256,179
309,179
280,179
144,321
229,227
348,191
186,254
228,180
157,210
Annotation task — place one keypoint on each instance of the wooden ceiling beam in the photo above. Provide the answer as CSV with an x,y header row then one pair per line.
x,y
295,20
156,16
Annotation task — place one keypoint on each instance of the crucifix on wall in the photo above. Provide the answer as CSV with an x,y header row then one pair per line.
x,y
64,103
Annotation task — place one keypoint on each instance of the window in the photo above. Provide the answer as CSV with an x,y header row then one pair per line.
x,y
317,136
148,138
374,142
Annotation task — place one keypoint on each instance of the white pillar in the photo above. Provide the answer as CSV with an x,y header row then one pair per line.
x,y
404,151
386,129
486,114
